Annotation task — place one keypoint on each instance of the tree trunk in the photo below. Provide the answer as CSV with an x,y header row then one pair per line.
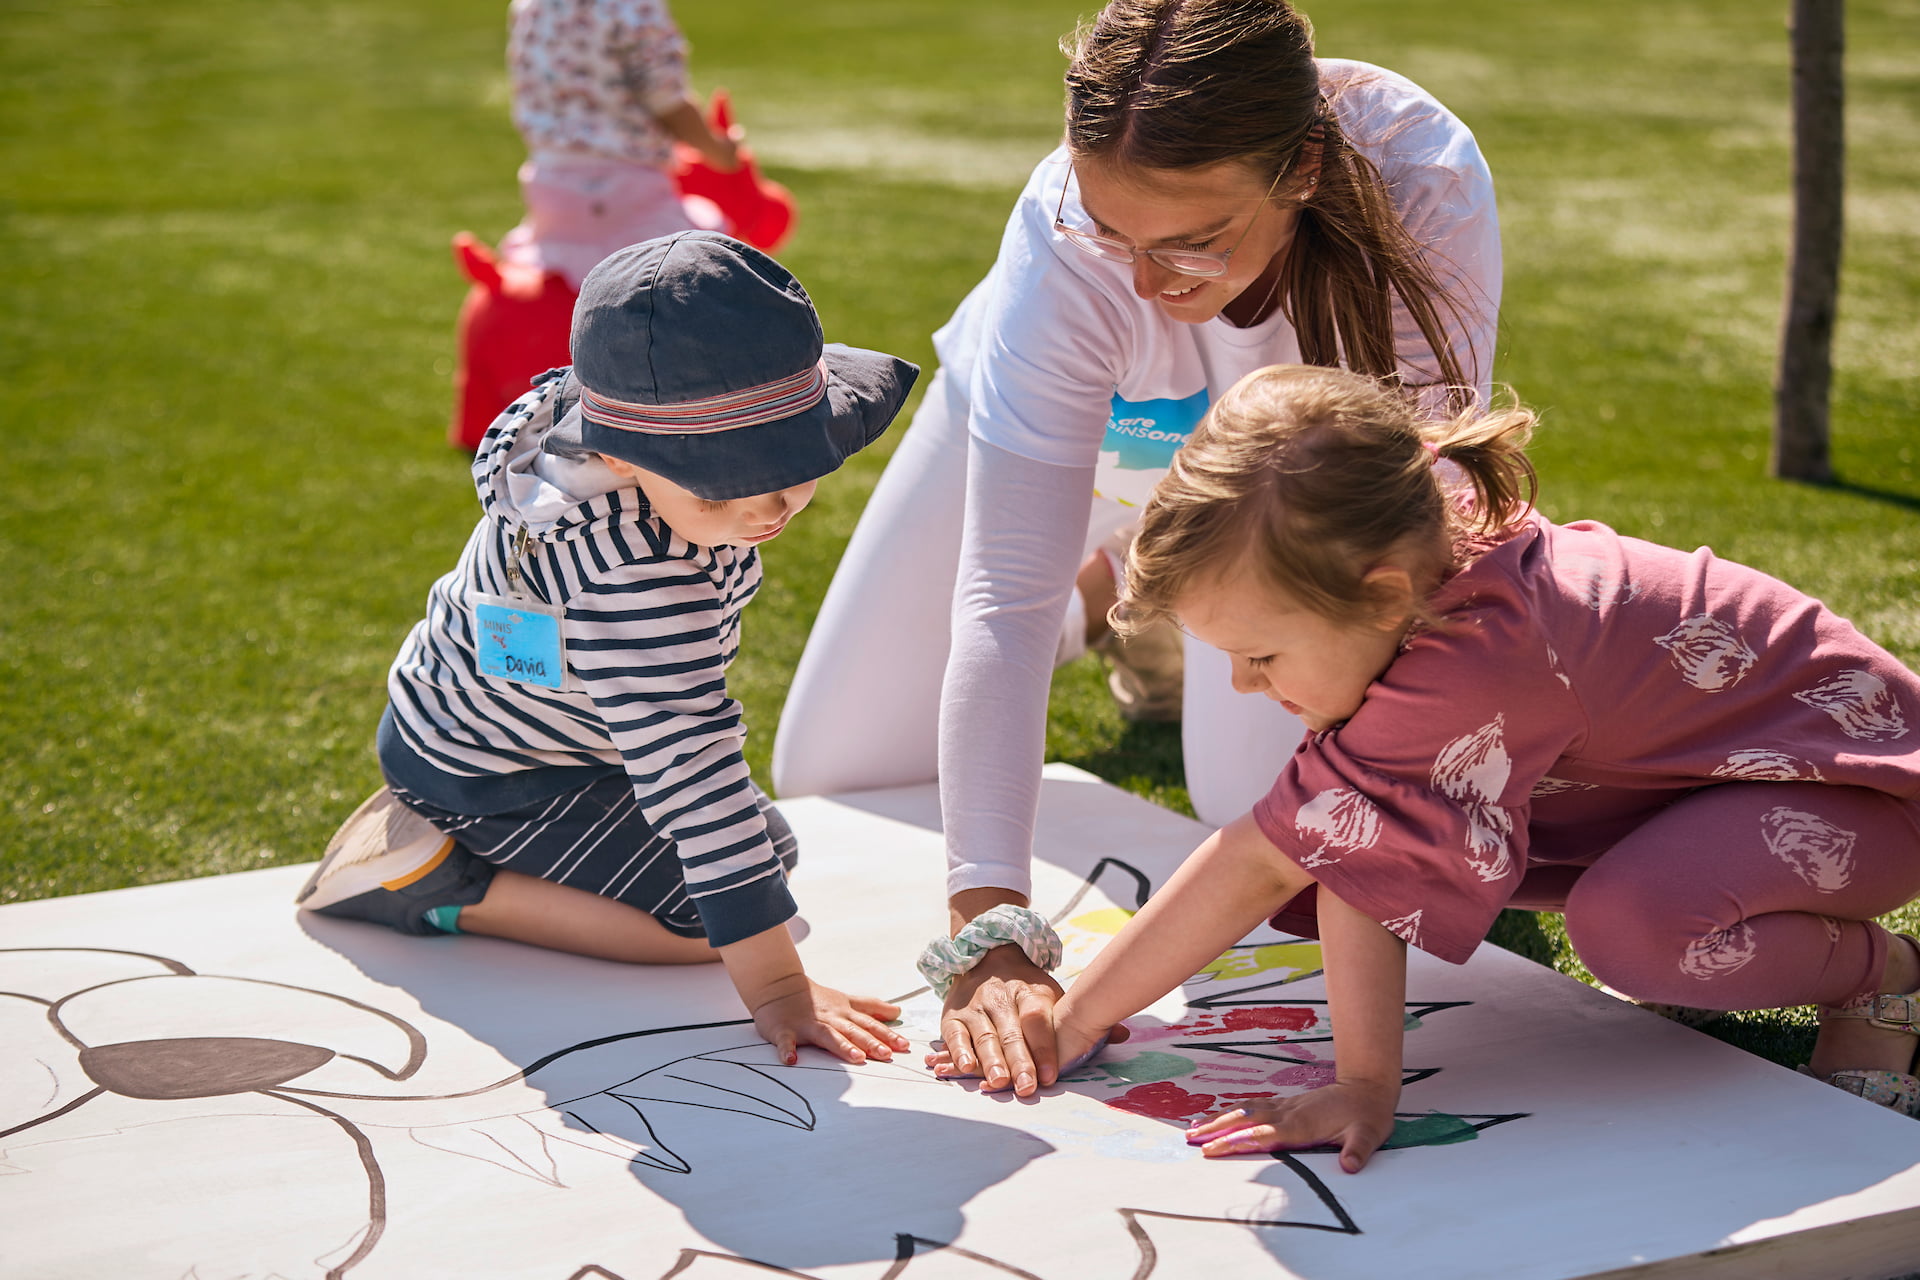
x,y
1804,385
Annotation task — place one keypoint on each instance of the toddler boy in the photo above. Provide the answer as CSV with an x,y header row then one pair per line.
x,y
563,763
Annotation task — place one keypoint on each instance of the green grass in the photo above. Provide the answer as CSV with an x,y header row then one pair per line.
x,y
227,306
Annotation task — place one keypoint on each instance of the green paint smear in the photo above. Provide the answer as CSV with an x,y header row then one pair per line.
x,y
1142,1069
1149,1067
1433,1130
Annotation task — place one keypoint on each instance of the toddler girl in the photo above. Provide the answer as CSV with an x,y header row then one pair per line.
x,y
1712,775
600,94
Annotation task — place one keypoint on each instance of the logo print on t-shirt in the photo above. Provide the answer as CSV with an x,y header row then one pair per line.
x,y
1142,437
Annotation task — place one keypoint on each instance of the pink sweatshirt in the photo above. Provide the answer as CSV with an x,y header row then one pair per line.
x,y
1583,680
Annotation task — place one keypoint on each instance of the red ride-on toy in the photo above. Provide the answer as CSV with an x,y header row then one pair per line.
x,y
516,318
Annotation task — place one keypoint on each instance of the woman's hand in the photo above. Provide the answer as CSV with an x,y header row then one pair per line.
x,y
1000,1025
1353,1115
852,1028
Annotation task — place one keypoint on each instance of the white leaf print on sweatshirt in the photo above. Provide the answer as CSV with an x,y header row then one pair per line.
x,y
1598,582
1472,771
1819,852
1721,951
1757,764
1860,703
1343,819
1559,671
1708,654
1406,928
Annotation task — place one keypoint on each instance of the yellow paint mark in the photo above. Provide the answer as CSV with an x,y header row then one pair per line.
x,y
1109,921
1244,962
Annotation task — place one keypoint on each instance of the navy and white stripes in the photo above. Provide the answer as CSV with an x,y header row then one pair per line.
x,y
651,623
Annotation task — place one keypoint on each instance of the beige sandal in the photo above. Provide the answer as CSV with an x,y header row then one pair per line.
x,y
1895,1090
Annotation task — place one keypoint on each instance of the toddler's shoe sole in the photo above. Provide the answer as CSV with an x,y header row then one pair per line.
x,y
390,866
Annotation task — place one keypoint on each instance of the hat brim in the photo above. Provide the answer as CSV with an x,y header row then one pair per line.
x,y
865,390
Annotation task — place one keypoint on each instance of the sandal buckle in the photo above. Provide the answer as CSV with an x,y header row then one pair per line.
x,y
1897,1013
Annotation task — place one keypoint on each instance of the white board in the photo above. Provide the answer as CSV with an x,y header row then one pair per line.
x,y
196,1082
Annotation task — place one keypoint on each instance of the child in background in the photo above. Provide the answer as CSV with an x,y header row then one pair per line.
x,y
600,95
563,763
1712,775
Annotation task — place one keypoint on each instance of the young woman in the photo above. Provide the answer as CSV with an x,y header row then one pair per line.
x,y
1224,201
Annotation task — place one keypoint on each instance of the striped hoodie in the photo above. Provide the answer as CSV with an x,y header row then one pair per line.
x,y
650,624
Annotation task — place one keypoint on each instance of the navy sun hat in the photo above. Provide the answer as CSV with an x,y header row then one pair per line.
x,y
700,359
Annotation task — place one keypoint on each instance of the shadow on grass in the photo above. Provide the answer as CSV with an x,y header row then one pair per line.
x,y
1893,498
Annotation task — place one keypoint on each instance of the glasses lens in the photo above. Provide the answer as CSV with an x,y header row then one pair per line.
x,y
1098,246
1189,264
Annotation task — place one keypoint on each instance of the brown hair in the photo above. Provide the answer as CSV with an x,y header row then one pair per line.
x,y
1311,476
1182,84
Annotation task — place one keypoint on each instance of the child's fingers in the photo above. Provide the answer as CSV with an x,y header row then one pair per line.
x,y
1037,1043
873,1008
785,1047
942,1063
958,1032
880,1031
1358,1148
829,1038
863,1037
1235,1142
1214,1125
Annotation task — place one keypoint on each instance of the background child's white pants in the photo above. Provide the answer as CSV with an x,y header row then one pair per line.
x,y
864,707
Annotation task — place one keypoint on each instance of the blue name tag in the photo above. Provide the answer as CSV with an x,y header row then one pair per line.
x,y
520,641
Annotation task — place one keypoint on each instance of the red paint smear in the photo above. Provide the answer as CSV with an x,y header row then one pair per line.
x,y
1164,1100
1270,1019
1281,1019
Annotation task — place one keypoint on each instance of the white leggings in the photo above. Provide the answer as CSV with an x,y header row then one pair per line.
x,y
865,704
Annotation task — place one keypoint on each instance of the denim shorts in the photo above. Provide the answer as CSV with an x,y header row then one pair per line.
x,y
594,838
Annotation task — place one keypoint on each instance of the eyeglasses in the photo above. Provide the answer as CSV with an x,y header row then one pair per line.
x,y
1188,262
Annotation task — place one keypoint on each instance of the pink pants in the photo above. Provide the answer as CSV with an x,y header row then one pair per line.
x,y
580,209
1747,895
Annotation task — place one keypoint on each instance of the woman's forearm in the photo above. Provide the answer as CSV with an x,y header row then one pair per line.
x,y
1025,523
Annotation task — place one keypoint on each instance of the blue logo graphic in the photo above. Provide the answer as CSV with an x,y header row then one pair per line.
x,y
1147,433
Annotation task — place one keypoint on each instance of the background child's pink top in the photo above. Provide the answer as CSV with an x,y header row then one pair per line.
x,y
1576,665
589,75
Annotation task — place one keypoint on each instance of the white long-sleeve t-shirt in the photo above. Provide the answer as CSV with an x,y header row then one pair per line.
x,y
1078,389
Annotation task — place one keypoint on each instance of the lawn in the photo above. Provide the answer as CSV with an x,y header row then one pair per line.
x,y
226,333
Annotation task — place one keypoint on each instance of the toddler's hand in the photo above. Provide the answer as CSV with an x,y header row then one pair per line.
x,y
722,150
852,1028
1352,1115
